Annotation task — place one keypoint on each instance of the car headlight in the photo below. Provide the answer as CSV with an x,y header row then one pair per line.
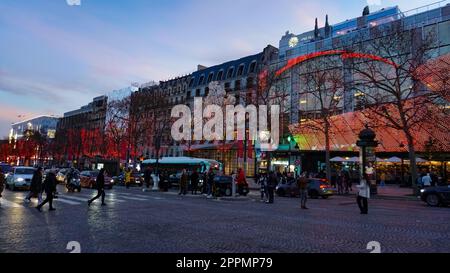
x,y
112,181
422,190
20,179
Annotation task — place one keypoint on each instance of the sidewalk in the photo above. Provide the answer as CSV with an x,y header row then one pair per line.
x,y
388,192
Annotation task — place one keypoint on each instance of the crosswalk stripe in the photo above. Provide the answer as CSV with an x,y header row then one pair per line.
x,y
6,203
137,195
134,198
66,201
74,198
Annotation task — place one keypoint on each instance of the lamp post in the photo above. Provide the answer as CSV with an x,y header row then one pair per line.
x,y
403,165
290,153
367,143
429,147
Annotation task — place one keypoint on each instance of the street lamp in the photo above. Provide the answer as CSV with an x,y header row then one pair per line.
x,y
290,138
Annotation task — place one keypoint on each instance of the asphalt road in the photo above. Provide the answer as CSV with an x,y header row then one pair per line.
x,y
147,222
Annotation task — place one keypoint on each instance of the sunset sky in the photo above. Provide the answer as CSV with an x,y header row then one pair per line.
x,y
56,57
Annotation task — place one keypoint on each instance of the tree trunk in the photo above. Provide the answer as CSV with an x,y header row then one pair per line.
x,y
327,152
412,159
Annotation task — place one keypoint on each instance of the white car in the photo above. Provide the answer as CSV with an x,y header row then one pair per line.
x,y
20,178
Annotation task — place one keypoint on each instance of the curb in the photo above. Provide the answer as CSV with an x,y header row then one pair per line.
x,y
235,199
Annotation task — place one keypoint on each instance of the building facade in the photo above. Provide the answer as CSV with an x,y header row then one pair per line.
x,y
80,133
45,125
343,41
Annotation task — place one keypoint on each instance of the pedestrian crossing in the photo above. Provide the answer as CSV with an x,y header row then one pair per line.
x,y
16,200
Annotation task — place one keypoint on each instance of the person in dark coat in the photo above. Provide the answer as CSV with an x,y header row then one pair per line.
x,y
194,181
100,188
147,177
2,181
183,183
36,186
272,183
49,188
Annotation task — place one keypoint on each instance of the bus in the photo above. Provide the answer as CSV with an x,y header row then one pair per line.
x,y
174,164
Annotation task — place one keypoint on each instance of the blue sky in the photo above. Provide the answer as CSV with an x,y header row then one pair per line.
x,y
55,57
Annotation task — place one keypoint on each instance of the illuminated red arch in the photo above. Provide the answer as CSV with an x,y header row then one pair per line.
x,y
344,55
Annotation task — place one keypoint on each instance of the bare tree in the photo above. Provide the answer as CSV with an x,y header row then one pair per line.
x,y
116,127
321,86
390,84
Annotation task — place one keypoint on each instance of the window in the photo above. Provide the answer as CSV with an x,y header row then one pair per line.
x,y
206,91
188,94
210,77
197,93
227,87
250,82
230,72
202,79
252,67
220,75
241,70
444,33
237,85
191,83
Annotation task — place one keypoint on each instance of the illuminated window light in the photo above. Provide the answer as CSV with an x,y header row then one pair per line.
x,y
359,94
303,102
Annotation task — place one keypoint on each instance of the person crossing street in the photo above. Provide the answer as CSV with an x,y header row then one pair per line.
x,y
36,186
49,188
100,188
2,182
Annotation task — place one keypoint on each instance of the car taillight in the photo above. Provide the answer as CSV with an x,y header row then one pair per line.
x,y
324,186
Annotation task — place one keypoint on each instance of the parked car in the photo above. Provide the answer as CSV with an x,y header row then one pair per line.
x,y
137,179
174,179
316,188
6,168
224,185
61,175
88,179
436,196
20,178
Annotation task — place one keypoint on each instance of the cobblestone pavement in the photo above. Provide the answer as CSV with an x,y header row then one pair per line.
x,y
146,222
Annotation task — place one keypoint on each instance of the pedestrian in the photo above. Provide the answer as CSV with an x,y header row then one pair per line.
x,y
272,182
347,181
127,178
100,188
263,183
340,182
49,188
364,195
210,183
194,182
382,180
426,181
36,186
2,182
147,177
183,182
241,181
303,188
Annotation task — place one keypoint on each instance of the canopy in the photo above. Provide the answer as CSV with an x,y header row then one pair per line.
x,y
337,159
180,160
